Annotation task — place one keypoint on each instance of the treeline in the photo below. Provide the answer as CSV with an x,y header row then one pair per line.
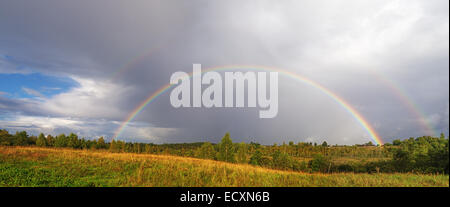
x,y
71,141
423,154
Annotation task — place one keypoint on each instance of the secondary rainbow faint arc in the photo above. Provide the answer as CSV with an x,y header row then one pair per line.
x,y
407,101
138,59
364,123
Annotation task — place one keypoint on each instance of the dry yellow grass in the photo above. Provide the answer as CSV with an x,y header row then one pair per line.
x,y
32,166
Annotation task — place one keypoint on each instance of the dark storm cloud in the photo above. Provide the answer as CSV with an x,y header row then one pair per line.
x,y
336,43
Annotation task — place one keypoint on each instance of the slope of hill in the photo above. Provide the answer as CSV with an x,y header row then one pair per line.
x,y
33,166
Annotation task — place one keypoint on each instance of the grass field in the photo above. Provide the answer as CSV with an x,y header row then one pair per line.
x,y
32,166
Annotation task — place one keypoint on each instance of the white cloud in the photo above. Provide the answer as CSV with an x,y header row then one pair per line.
x,y
90,128
91,99
143,132
32,92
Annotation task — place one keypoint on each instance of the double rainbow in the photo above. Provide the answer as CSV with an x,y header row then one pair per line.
x,y
353,112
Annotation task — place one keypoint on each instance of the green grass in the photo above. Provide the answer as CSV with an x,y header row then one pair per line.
x,y
32,166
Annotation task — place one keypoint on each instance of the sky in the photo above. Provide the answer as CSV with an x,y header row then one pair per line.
x,y
84,66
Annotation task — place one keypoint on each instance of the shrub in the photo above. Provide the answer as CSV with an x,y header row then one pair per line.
x,y
319,163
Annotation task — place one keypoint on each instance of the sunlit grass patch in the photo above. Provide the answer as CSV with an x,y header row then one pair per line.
x,y
32,166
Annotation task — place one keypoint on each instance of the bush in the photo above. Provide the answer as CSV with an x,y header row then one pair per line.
x,y
320,163
256,158
282,161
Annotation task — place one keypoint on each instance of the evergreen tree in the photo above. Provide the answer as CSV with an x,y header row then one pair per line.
x,y
41,141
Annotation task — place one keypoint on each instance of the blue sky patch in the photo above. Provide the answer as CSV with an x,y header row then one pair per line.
x,y
33,85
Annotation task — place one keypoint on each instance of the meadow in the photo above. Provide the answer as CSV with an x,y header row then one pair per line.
x,y
37,166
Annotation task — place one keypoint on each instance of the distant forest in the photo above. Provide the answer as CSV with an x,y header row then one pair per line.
x,y
417,155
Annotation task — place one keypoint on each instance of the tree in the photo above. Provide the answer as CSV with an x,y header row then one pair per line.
x,y
396,142
319,163
226,152
5,138
117,146
41,141
324,144
100,143
85,144
3,132
21,138
242,153
50,140
73,141
147,148
256,158
61,141
281,160
402,160
423,154
206,151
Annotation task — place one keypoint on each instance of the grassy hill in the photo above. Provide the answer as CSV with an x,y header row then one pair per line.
x,y
33,166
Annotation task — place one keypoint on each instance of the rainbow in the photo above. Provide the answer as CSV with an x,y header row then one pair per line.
x,y
394,88
136,60
407,101
355,114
